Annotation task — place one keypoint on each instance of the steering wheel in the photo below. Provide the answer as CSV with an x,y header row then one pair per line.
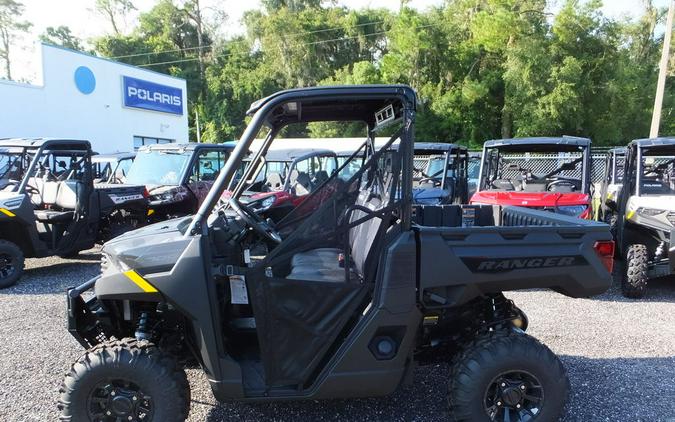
x,y
560,182
256,222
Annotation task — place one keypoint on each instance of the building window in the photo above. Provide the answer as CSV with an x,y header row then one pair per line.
x,y
139,141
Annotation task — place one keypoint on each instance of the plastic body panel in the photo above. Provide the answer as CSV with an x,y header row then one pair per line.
x,y
530,249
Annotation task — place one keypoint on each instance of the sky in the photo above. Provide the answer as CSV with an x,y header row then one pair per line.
x,y
85,23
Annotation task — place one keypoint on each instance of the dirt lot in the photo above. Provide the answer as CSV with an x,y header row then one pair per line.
x,y
620,355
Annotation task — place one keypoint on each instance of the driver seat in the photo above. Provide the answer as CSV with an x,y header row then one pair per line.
x,y
323,264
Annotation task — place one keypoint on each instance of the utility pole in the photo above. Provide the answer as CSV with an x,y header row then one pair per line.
x,y
663,68
199,129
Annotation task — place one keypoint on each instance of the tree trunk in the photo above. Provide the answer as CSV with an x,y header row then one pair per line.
x,y
507,124
4,36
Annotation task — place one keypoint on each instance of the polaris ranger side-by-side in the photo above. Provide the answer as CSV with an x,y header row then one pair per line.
x,y
646,213
346,304
112,168
552,174
177,176
610,186
441,177
286,179
49,204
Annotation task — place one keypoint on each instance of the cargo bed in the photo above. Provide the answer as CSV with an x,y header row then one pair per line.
x,y
471,250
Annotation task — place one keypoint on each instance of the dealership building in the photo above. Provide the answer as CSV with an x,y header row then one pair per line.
x,y
117,107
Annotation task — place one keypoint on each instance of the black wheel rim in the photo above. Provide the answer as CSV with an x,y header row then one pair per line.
x,y
514,396
119,401
6,265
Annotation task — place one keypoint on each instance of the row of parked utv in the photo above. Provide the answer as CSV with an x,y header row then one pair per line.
x,y
320,271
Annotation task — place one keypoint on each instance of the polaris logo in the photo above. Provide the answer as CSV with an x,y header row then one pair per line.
x,y
487,265
152,96
156,97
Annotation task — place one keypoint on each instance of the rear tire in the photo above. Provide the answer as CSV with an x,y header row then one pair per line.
x,y
634,282
123,379
505,371
11,263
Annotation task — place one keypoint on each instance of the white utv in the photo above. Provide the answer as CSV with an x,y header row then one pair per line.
x,y
646,213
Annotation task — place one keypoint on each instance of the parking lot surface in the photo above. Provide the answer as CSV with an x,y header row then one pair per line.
x,y
620,355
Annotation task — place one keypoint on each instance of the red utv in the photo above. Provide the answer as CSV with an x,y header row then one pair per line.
x,y
285,179
551,174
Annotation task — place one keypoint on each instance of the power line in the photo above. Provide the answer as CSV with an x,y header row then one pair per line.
x,y
303,44
148,53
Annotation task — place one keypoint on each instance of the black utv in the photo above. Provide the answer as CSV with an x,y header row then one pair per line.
x,y
646,213
49,204
344,301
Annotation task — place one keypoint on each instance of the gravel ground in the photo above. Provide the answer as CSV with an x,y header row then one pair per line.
x,y
620,355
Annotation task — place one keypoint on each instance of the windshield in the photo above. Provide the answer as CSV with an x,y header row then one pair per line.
x,y
158,168
11,168
657,173
618,167
474,167
532,171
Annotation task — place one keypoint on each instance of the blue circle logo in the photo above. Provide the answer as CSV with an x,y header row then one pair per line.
x,y
85,80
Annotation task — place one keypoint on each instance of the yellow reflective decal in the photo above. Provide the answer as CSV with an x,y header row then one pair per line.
x,y
140,281
7,212
151,211
630,214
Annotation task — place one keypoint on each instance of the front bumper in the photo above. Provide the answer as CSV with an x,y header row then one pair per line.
x,y
83,323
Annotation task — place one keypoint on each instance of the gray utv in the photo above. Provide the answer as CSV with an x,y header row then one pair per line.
x,y
49,204
611,186
342,298
646,213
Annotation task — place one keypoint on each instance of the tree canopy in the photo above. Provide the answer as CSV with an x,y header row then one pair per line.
x,y
482,68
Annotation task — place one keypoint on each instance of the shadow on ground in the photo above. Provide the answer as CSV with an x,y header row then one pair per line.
x,y
618,387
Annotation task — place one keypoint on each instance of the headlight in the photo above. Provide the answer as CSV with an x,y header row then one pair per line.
x,y
263,204
649,212
571,210
163,198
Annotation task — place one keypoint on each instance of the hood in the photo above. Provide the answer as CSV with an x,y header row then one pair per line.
x,y
155,247
657,202
11,200
429,196
530,199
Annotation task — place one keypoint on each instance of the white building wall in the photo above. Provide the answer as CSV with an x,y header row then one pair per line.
x,y
59,109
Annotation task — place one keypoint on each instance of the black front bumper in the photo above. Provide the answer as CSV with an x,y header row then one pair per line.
x,y
82,321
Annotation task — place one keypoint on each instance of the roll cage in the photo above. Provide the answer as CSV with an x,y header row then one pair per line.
x,y
33,152
492,163
379,106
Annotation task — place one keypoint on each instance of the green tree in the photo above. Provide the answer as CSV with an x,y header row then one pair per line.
x,y
10,27
62,36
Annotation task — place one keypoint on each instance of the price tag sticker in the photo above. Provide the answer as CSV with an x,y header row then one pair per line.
x,y
238,290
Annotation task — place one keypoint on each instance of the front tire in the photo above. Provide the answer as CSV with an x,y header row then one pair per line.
x,y
125,380
634,283
507,372
11,263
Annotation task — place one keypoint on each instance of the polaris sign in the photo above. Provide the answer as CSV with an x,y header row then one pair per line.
x,y
152,96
